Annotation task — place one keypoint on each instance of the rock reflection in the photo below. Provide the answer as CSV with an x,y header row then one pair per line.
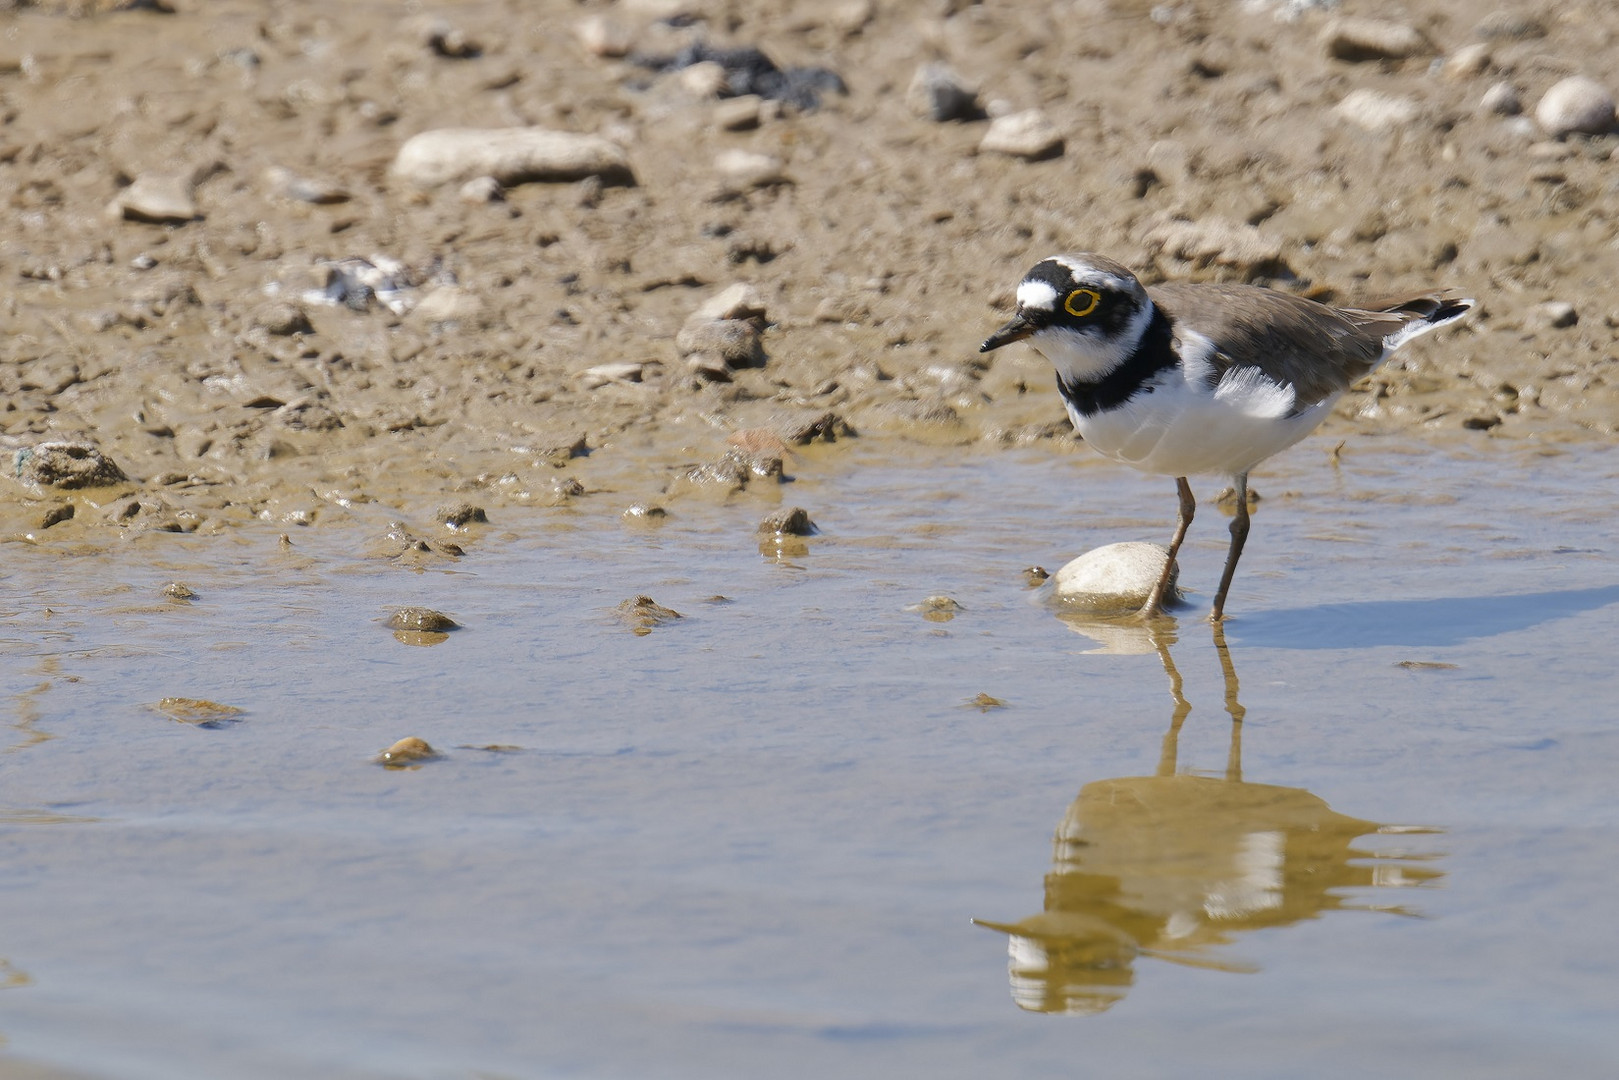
x,y
1174,866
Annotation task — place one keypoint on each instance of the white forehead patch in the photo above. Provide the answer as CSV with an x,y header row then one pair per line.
x,y
1037,294
1088,273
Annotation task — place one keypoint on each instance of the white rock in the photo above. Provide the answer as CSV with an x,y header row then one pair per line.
x,y
738,113
602,374
510,155
1467,61
1373,110
1117,577
745,168
481,189
161,198
601,36
704,79
1552,315
1501,100
1371,39
1029,134
739,301
1577,104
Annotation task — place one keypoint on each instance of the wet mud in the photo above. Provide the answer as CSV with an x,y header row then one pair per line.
x,y
227,299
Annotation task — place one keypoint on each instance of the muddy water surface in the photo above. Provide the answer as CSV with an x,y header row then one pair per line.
x,y
754,841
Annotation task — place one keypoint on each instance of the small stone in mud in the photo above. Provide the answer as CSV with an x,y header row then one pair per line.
x,y
738,114
1374,111
159,199
645,513
281,319
736,469
421,619
603,37
603,374
444,38
1501,100
460,515
738,301
407,752
1426,665
793,522
1359,39
198,711
937,609
1467,62
564,489
984,703
510,155
67,466
1113,579
939,94
1576,105
180,592
1029,135
289,185
56,515
1552,315
746,169
1034,576
481,189
642,614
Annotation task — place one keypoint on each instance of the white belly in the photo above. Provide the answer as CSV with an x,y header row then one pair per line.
x,y
1181,429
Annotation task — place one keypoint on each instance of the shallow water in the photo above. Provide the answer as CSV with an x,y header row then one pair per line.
x,y
754,841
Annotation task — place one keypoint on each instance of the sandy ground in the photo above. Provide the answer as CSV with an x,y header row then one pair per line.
x,y
517,342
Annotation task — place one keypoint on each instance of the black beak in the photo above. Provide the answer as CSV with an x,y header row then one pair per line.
x,y
1016,330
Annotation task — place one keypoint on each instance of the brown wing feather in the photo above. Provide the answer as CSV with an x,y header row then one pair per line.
x,y
1320,350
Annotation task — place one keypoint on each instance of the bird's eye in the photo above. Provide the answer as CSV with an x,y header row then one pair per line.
x,y
1081,302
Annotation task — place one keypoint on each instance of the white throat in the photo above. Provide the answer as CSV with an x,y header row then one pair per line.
x,y
1082,357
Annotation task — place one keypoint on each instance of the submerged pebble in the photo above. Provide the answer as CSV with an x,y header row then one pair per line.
x,y
179,591
793,522
642,614
198,711
937,609
421,619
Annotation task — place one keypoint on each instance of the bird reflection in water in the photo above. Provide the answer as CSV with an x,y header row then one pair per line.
x,y
1174,866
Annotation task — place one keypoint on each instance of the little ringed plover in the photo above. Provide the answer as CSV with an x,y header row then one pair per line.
x,y
1185,378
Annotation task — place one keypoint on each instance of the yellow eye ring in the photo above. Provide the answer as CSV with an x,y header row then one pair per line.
x,y
1081,302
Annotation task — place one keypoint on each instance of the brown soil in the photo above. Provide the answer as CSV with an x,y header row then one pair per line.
x,y
189,354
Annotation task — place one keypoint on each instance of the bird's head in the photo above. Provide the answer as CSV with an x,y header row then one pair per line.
x,y
1084,313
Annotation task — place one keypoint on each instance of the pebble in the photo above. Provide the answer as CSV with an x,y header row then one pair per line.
x,y
603,37
1358,39
938,93
734,342
738,301
481,189
644,614
421,619
644,513
1029,134
407,751
459,516
156,198
199,711
447,304
1501,100
1466,62
443,38
602,374
179,592
1114,578
1509,26
510,155
704,79
748,169
288,185
56,515
792,522
1373,110
1552,315
738,113
1576,104
281,318
937,608
64,466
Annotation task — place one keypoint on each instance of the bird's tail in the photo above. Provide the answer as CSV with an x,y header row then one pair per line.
x,y
1416,315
